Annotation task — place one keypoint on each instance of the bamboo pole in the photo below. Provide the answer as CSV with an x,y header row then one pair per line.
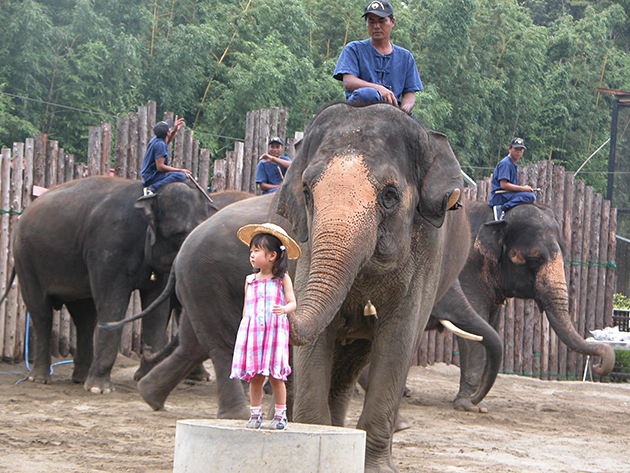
x,y
5,189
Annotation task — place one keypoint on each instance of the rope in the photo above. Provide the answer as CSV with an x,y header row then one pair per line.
x,y
594,264
11,211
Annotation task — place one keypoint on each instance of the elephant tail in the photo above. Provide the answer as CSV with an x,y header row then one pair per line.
x,y
11,278
166,294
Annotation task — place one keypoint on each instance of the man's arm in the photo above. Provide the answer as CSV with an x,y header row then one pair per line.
x,y
353,83
176,126
265,186
408,101
267,158
509,187
160,166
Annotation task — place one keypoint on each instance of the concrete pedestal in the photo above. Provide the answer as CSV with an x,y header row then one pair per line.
x,y
223,446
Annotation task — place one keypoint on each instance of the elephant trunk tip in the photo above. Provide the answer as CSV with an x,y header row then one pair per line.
x,y
607,355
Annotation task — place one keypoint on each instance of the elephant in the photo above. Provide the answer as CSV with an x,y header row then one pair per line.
x,y
88,244
520,256
374,200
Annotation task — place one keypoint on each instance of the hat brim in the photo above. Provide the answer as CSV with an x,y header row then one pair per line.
x,y
519,146
247,232
382,14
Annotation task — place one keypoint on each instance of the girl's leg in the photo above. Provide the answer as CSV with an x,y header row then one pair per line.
x,y
256,390
279,391
255,397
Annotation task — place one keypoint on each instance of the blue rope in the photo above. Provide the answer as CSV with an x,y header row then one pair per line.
x,y
28,367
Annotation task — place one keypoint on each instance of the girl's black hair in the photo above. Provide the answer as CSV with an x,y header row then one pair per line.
x,y
270,244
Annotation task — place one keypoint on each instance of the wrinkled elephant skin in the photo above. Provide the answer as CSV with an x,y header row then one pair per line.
x,y
521,256
367,195
88,244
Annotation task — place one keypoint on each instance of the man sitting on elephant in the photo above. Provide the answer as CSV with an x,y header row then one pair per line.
x,y
375,70
155,169
506,193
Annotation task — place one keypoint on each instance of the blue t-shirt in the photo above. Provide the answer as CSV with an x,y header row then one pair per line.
x,y
506,169
270,173
156,149
397,70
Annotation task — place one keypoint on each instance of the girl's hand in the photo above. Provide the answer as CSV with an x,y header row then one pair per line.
x,y
278,310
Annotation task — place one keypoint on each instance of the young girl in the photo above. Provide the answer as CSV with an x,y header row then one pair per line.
x,y
262,343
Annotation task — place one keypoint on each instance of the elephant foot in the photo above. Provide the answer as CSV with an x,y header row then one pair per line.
x,y
38,375
99,386
199,374
80,374
143,370
465,404
401,423
153,399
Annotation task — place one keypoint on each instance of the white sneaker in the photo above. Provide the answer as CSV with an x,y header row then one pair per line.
x,y
146,191
498,213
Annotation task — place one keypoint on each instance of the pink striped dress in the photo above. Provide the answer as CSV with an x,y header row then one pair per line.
x,y
262,341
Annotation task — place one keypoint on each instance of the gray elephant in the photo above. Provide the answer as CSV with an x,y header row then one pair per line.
x,y
368,196
88,244
520,256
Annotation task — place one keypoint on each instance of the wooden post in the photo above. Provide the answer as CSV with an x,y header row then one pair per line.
x,y
133,166
249,158
239,152
282,124
145,133
5,203
151,118
12,306
52,151
65,324
273,122
94,151
68,168
39,159
204,168
194,169
106,148
218,176
575,288
610,271
178,148
230,158
27,188
122,143
600,321
61,167
187,149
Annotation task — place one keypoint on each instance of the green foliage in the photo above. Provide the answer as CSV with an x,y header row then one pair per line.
x,y
621,302
492,69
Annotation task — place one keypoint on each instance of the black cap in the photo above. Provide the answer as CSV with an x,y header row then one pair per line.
x,y
276,139
517,143
380,8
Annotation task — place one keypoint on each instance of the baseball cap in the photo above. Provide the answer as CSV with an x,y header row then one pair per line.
x,y
380,8
276,139
517,143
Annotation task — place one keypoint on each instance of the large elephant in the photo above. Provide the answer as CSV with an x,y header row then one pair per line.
x,y
368,196
520,256
88,244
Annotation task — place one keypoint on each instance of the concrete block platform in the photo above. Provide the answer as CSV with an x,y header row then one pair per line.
x,y
225,446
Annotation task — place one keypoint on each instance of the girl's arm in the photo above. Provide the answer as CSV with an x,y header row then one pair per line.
x,y
289,295
244,301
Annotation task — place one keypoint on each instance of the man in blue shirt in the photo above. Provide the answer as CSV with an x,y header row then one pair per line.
x,y
506,193
272,167
375,70
155,169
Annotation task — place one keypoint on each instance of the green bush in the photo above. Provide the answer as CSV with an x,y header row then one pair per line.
x,y
621,302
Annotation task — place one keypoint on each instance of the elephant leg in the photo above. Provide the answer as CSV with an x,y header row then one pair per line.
x,y
232,401
389,367
472,359
402,422
161,380
349,361
153,327
110,307
84,317
312,368
41,315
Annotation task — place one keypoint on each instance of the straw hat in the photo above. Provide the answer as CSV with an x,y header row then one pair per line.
x,y
246,233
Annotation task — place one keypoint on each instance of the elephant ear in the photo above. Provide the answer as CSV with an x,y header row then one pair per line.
x,y
145,206
289,200
442,186
489,241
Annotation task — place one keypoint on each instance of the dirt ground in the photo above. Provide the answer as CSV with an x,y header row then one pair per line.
x,y
533,426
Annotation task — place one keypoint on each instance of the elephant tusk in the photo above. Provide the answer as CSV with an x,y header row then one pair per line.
x,y
459,332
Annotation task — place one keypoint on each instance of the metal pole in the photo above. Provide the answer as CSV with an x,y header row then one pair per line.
x,y
611,156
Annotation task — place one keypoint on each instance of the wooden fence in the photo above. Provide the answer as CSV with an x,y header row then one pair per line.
x,y
588,224
45,164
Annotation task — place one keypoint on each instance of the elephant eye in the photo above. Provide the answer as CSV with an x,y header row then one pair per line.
x,y
534,262
390,197
308,196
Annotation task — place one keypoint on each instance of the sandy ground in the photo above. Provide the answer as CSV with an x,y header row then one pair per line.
x,y
533,426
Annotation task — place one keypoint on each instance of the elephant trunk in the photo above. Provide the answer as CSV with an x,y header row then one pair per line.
x,y
338,254
553,299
